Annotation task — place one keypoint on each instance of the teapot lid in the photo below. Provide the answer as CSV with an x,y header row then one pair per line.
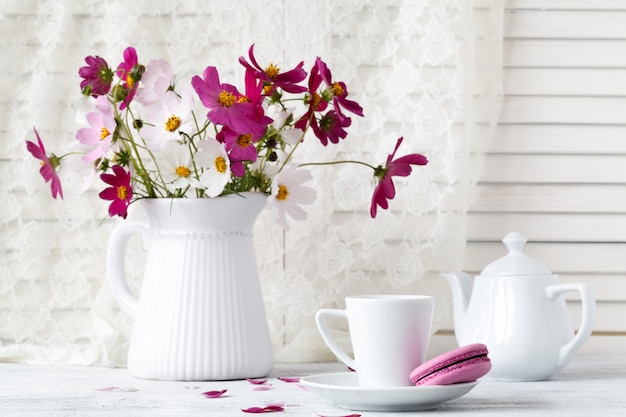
x,y
516,262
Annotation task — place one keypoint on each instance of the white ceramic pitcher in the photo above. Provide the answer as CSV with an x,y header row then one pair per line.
x,y
200,312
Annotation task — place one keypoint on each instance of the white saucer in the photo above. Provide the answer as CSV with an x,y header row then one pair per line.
x,y
343,389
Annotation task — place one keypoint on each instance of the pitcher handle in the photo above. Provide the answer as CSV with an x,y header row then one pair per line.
x,y
588,318
115,263
320,317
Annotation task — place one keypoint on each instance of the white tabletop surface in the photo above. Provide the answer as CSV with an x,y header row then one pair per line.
x,y
588,386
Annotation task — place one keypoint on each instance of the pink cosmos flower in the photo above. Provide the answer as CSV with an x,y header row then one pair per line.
x,y
339,91
96,75
155,82
400,167
119,192
272,77
49,165
100,134
130,73
221,100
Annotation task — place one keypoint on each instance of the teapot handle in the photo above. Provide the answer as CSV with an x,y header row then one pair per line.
x,y
588,317
115,263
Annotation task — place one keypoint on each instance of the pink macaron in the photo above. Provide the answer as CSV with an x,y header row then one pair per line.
x,y
464,364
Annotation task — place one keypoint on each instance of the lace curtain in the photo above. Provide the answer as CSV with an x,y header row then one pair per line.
x,y
428,70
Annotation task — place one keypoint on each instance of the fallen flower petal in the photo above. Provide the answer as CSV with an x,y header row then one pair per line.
x,y
264,388
257,381
347,415
214,394
118,389
288,379
266,409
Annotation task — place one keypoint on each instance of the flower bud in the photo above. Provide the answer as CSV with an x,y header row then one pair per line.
x,y
87,91
137,72
119,93
122,158
102,165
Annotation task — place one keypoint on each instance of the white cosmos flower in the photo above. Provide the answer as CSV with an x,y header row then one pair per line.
x,y
214,159
155,82
288,193
177,167
290,135
165,122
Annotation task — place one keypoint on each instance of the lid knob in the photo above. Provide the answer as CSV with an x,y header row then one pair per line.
x,y
515,242
516,262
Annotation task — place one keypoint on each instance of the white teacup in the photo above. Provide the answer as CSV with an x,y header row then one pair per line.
x,y
389,336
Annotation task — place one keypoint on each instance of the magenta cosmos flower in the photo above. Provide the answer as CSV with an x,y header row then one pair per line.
x,y
331,127
222,102
130,72
400,167
96,75
314,101
272,77
49,165
119,192
240,148
339,91
254,96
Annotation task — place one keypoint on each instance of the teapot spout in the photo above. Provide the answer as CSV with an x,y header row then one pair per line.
x,y
461,285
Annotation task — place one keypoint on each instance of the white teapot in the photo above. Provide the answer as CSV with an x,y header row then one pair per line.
x,y
516,308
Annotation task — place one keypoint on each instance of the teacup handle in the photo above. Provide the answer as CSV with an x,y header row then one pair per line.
x,y
320,317
115,262
588,318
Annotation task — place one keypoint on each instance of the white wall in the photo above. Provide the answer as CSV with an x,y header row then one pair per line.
x,y
557,169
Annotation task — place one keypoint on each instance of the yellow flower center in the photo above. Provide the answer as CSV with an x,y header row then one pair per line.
x,y
338,89
220,164
172,123
104,133
316,100
267,89
244,140
282,193
226,99
129,80
122,192
182,171
272,71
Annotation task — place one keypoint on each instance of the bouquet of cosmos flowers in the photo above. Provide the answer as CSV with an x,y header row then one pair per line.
x,y
145,139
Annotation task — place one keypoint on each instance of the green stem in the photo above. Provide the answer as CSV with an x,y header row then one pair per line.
x,y
345,161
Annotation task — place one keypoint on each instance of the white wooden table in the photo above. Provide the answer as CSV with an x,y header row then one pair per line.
x,y
589,386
